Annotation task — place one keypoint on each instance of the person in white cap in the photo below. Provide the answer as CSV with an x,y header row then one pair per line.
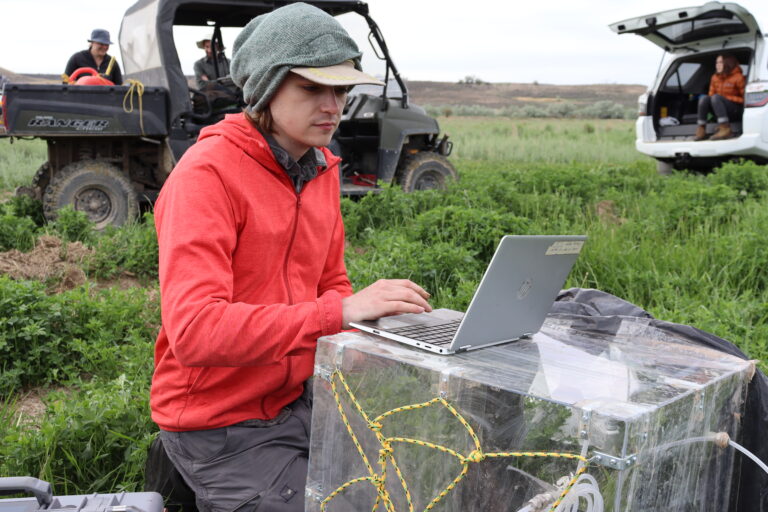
x,y
205,70
96,57
251,244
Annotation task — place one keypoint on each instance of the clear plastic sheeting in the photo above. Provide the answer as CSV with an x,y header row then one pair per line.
x,y
567,419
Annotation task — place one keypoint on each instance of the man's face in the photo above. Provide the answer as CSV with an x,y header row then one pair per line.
x,y
99,50
207,48
305,114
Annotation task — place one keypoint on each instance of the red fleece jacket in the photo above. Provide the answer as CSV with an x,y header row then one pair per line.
x,y
251,274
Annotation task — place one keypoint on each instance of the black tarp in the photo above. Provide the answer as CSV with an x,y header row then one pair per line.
x,y
602,313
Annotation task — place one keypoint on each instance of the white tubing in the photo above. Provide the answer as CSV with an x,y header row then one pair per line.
x,y
749,454
722,440
586,489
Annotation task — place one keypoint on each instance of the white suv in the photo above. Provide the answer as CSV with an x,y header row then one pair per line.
x,y
692,37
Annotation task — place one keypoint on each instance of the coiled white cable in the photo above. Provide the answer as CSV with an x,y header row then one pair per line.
x,y
586,489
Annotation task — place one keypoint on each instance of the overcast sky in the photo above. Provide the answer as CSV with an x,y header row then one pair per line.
x,y
554,41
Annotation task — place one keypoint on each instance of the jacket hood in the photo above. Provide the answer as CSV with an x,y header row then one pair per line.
x,y
240,132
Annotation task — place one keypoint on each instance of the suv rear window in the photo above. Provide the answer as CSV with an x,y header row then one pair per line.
x,y
684,72
711,24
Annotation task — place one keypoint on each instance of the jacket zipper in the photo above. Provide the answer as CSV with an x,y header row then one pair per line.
x,y
293,235
290,247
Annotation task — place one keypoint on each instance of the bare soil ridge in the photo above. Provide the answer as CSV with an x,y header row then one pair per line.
x,y
498,95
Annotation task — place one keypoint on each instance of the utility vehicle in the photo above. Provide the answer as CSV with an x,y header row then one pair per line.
x,y
692,37
110,148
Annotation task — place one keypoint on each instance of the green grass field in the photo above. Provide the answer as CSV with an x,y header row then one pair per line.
x,y
494,139
18,162
687,248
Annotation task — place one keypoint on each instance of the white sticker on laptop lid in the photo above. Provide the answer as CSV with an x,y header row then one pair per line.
x,y
565,247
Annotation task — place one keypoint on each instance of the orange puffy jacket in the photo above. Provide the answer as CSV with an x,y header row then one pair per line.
x,y
730,86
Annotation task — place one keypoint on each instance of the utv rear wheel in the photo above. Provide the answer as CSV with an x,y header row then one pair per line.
x,y
96,188
426,171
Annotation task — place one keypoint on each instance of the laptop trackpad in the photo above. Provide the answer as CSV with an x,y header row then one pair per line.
x,y
437,316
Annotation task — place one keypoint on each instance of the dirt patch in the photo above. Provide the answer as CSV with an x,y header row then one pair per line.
x,y
29,408
125,281
51,261
606,212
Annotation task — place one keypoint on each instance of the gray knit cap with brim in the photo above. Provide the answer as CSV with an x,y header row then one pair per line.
x,y
296,35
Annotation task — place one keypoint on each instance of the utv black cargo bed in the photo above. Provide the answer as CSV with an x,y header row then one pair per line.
x,y
82,110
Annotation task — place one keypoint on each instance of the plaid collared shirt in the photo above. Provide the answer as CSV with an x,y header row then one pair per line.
x,y
301,171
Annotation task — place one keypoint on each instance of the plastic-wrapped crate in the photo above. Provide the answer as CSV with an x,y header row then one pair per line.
x,y
626,421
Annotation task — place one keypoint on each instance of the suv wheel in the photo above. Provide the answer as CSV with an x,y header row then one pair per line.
x,y
96,188
426,171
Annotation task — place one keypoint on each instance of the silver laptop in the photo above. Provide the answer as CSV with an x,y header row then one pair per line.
x,y
513,299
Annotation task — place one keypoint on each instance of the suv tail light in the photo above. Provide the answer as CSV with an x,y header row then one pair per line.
x,y
756,94
642,104
3,122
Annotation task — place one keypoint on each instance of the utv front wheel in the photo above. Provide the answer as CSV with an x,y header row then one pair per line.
x,y
96,188
39,183
426,171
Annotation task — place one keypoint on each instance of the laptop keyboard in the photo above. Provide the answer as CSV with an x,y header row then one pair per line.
x,y
440,334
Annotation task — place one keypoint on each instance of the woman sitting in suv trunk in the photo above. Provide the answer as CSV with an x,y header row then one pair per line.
x,y
725,98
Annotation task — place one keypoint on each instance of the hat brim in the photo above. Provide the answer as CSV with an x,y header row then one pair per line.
x,y
339,74
201,44
100,41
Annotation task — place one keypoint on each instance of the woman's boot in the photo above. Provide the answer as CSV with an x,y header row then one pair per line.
x,y
701,132
723,132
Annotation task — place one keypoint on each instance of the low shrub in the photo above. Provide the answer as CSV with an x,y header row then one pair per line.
x,y
17,233
54,339
132,248
92,439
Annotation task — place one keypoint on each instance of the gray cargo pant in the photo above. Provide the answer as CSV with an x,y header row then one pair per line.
x,y
256,465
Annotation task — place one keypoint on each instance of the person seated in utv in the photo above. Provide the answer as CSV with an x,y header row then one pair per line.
x,y
212,78
96,57
725,98
206,71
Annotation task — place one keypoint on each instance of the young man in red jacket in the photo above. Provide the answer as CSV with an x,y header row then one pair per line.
x,y
252,269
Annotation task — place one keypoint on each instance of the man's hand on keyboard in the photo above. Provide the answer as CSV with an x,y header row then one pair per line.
x,y
385,297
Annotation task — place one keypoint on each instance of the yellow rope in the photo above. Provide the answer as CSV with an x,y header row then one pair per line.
x,y
386,454
136,88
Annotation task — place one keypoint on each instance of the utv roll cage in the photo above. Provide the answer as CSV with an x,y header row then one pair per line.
x,y
150,56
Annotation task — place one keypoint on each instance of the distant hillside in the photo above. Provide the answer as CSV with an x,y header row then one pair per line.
x,y
495,95
499,95
28,79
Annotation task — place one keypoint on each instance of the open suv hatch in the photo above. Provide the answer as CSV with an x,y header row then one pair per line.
x,y
691,38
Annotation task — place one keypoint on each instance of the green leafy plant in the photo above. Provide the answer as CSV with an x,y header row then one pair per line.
x,y
73,226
